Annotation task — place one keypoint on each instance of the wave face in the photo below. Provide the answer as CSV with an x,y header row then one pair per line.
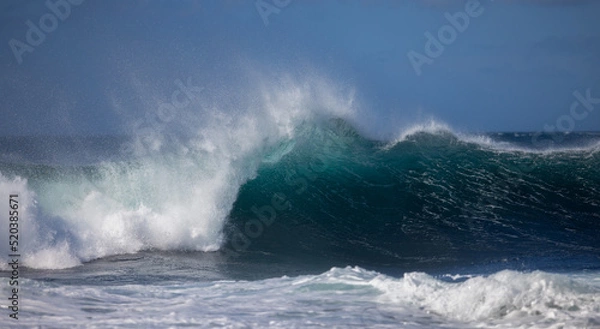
x,y
312,188
430,196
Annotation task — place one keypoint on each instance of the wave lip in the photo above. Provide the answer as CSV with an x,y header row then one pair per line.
x,y
430,127
526,142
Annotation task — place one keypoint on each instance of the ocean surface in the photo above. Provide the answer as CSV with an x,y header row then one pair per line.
x,y
305,225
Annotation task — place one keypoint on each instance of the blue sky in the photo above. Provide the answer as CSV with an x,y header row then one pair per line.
x,y
515,67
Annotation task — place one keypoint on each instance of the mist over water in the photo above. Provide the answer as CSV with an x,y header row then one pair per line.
x,y
175,180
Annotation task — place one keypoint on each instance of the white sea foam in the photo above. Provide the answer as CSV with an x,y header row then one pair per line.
x,y
505,299
340,297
